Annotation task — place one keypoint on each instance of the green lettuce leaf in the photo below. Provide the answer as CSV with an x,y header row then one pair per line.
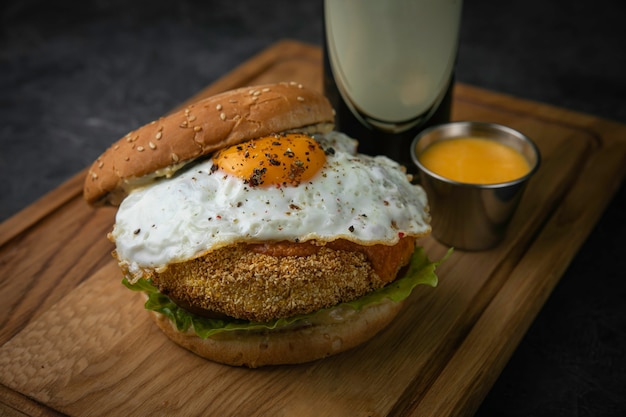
x,y
420,271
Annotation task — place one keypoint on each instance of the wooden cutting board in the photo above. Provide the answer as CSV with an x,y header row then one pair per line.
x,y
74,341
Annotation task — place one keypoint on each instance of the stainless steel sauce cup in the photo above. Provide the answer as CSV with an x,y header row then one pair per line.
x,y
472,216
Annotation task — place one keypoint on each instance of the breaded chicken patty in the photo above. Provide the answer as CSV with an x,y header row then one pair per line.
x,y
264,282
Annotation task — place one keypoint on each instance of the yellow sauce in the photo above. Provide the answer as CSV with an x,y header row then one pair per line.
x,y
474,161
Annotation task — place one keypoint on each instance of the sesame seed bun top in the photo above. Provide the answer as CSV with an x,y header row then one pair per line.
x,y
164,145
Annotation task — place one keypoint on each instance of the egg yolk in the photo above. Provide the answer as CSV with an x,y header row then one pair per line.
x,y
287,159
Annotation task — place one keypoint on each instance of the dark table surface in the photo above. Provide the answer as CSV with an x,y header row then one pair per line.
x,y
76,76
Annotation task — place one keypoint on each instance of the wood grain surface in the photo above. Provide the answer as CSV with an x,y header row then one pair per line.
x,y
74,341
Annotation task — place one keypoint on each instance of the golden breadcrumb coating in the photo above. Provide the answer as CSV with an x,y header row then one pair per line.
x,y
248,285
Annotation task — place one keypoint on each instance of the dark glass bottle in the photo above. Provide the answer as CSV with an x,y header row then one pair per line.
x,y
382,98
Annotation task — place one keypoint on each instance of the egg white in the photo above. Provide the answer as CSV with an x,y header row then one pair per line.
x,y
363,199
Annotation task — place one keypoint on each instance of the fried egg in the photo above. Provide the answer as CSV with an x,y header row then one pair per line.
x,y
289,187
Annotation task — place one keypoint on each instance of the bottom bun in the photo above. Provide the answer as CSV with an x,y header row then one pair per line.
x,y
286,346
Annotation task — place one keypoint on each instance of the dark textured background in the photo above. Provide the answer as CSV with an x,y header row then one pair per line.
x,y
75,76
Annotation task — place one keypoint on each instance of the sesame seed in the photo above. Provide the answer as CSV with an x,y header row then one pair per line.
x,y
300,86
100,164
116,147
299,98
140,148
197,128
192,118
218,107
184,123
174,157
187,111
266,89
152,145
256,93
293,83
223,116
158,135
232,100
94,175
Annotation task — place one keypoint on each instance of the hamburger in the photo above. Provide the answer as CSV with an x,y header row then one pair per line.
x,y
258,234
